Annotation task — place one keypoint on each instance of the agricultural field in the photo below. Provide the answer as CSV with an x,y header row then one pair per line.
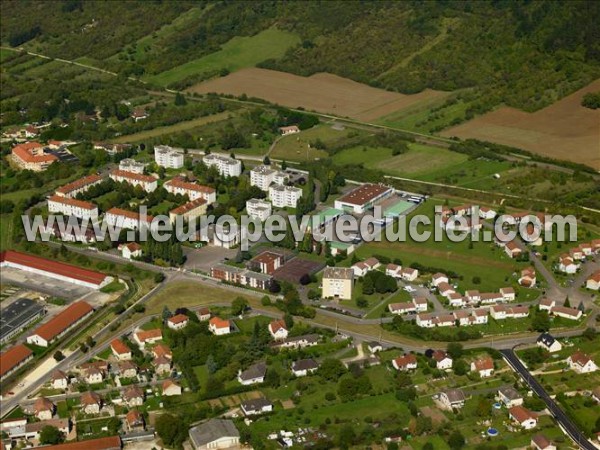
x,y
322,92
240,52
563,130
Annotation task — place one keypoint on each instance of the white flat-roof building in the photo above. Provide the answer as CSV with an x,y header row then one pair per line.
x,y
168,157
264,176
338,282
228,167
192,190
131,165
284,196
258,209
72,207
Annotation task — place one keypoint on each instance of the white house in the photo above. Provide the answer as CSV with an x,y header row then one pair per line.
x,y
528,277
292,129
393,270
120,350
304,367
170,388
593,282
227,166
438,278
178,322
143,337
218,326
131,165
455,300
510,396
284,196
581,363
483,366
420,303
566,312
59,380
131,250
253,375
452,398
549,343
361,268
91,403
508,294
445,289
567,265
43,408
168,157
546,304
256,406
442,360
278,329
525,418
405,362
409,274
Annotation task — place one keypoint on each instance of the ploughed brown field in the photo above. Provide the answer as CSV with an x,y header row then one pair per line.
x,y
565,130
322,92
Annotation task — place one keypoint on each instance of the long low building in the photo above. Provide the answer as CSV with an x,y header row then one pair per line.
x,y
147,182
60,324
363,198
54,269
32,156
189,211
121,218
72,207
79,186
105,443
13,359
192,190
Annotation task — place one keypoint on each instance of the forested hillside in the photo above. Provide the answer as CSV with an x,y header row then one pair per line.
x,y
523,54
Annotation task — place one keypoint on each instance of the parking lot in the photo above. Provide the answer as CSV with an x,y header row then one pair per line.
x,y
42,284
202,259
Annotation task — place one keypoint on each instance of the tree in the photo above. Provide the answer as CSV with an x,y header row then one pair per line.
x,y
289,321
567,302
159,277
180,100
58,356
211,365
238,306
368,288
428,446
456,440
166,313
51,435
171,429
347,436
283,165
476,280
540,321
461,367
266,160
455,350
331,369
589,334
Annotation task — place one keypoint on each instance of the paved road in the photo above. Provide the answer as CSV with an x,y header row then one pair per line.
x,y
563,420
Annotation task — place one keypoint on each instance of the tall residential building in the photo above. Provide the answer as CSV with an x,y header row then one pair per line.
x,y
168,157
284,196
338,282
131,165
258,209
264,176
228,167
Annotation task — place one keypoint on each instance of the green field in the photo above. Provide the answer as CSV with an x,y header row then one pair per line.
x,y
236,54
297,147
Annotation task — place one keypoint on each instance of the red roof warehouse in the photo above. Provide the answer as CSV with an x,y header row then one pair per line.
x,y
53,269
14,358
105,443
60,324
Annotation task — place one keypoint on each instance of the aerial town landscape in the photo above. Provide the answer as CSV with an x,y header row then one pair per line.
x,y
343,224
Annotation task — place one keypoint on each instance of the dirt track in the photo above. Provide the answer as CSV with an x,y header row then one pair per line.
x,y
321,92
564,130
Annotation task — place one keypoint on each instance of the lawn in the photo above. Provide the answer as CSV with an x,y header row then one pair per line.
x,y
238,53
181,126
5,231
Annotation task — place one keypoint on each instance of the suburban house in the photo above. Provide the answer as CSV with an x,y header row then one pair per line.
x,y
546,304
510,396
214,433
147,182
445,289
203,314
361,268
438,278
93,375
500,312
596,394
402,308
134,420
131,250
292,129
566,312
452,398
32,156
566,264
455,300
178,322
162,350
170,388
338,282
541,442
525,418
131,165
72,207
420,303
528,277
307,340
393,270
512,250
143,337
133,396
278,329
549,343
127,369
91,403
508,293
486,213
409,274
139,114
218,326
59,380
593,282
226,166
120,350
405,362
442,360
253,375
363,198
304,367
484,366
162,365
374,347
43,408
581,363
256,406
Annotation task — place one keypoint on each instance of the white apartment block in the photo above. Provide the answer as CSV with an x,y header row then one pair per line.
x,y
284,196
338,282
121,218
147,182
258,209
131,165
72,207
192,190
228,167
79,186
168,157
264,176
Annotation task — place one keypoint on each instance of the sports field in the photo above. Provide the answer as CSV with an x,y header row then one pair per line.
x,y
564,130
322,92
239,52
